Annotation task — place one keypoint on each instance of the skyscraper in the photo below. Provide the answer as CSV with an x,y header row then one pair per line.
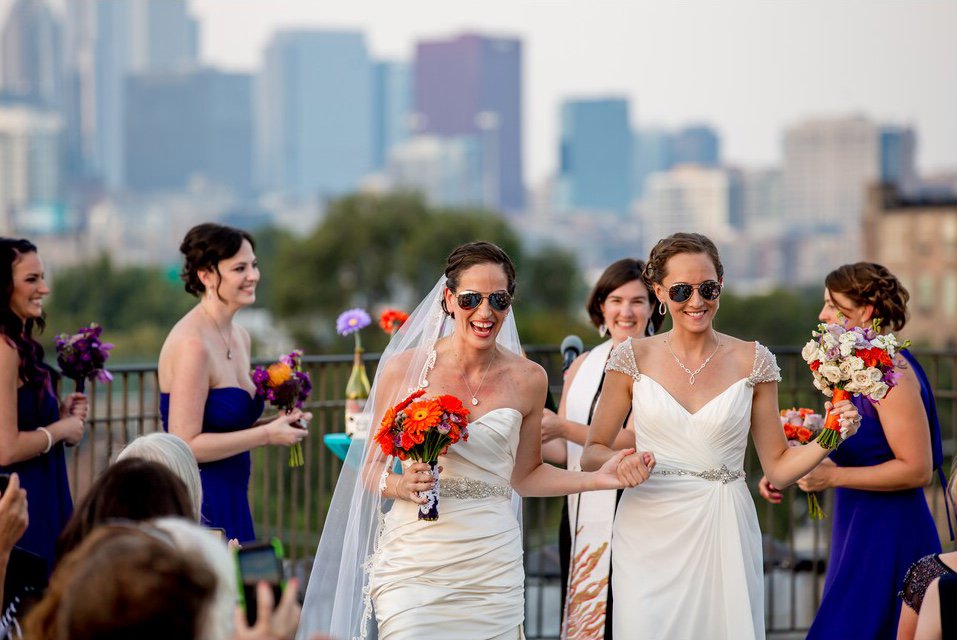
x,y
133,36
596,154
653,152
185,124
898,145
392,107
31,55
314,115
472,85
698,144
30,185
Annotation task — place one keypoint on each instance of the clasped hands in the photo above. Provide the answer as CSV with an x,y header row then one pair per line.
x,y
632,468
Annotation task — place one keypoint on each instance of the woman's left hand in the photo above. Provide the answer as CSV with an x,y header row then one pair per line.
x,y
819,478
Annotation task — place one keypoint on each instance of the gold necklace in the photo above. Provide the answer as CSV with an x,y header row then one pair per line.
x,y
229,351
704,364
475,399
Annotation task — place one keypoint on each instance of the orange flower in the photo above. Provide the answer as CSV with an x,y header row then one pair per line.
x,y
422,416
279,373
392,319
804,434
789,431
452,405
405,403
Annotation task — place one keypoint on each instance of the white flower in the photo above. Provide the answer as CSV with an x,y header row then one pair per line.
x,y
814,421
861,381
878,391
832,373
848,338
829,341
846,349
811,351
875,373
820,383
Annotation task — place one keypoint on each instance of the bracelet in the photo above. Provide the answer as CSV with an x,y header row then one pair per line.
x,y
46,432
382,482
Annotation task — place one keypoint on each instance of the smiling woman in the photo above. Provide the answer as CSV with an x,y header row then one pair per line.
x,y
207,396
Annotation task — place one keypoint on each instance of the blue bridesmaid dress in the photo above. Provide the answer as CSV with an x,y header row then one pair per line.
x,y
876,535
226,481
44,477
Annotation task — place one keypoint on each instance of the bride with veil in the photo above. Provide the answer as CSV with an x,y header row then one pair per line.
x,y
379,571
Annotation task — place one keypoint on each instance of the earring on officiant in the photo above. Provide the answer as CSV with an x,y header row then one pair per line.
x,y
602,330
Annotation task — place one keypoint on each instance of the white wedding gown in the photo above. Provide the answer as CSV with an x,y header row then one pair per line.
x,y
686,547
460,576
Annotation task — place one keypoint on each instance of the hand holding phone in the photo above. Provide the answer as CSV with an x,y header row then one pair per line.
x,y
259,562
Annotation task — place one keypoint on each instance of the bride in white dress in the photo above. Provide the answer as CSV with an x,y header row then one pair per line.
x,y
382,572
686,547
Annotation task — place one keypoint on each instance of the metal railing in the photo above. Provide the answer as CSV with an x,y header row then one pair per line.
x,y
291,503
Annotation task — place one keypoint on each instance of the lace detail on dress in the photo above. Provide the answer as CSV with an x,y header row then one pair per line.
x,y
919,577
622,360
765,366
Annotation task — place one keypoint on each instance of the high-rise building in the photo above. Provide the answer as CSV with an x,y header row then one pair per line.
x,y
653,152
314,114
595,170
898,145
133,36
79,37
447,170
698,144
31,55
30,183
391,107
472,85
188,124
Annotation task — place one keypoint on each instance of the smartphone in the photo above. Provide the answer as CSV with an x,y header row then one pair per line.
x,y
257,562
4,482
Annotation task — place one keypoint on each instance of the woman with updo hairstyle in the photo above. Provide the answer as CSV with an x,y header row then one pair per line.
x,y
207,396
686,546
378,561
34,424
881,523
619,307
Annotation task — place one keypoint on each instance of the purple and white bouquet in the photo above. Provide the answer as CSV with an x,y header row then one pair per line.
x,y
285,386
83,356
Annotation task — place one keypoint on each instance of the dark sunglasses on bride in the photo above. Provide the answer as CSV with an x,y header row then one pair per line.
x,y
681,292
499,300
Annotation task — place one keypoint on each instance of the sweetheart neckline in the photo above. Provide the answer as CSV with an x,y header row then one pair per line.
x,y
479,419
702,407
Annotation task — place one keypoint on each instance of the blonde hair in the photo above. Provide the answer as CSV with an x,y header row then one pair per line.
x,y
174,454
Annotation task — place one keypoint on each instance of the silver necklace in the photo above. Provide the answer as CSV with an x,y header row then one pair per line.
x,y
229,351
704,364
475,399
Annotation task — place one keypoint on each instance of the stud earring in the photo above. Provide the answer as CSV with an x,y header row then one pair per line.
x,y
602,330
662,308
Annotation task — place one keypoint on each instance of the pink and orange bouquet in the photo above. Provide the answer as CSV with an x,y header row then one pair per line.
x,y
285,386
851,361
423,429
800,427
82,356
391,320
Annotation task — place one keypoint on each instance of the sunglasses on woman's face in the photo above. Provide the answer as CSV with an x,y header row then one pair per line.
x,y
468,300
681,292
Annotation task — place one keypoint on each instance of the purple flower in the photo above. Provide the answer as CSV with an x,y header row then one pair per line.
x,y
351,321
82,356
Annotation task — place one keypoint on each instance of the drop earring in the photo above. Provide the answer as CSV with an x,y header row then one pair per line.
x,y
602,330
650,330
662,309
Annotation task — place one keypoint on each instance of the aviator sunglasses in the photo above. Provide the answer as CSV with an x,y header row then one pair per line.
x,y
499,300
681,292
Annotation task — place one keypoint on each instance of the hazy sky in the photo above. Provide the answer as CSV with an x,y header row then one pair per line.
x,y
748,67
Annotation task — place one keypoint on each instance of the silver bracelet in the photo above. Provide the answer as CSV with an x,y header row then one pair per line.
x,y
382,482
46,432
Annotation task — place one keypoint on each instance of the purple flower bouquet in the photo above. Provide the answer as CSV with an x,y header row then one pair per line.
x,y
285,386
82,356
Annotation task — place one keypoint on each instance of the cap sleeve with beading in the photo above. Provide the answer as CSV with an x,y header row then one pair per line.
x,y
765,366
622,360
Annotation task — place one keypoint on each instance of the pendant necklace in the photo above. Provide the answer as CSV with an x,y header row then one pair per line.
x,y
704,364
229,351
474,396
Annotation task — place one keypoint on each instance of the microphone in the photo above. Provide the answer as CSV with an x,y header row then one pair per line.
x,y
571,348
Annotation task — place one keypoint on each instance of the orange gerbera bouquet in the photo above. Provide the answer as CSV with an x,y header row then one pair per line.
x,y
423,429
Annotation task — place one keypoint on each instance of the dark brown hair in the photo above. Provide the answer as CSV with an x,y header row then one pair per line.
x,y
677,244
468,255
131,489
123,582
868,283
620,273
204,247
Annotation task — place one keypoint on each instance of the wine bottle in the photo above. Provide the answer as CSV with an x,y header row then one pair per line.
x,y
357,392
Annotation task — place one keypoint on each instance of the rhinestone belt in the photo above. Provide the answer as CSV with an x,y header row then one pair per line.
x,y
466,488
722,475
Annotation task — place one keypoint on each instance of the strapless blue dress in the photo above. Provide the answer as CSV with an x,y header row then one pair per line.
x,y
44,477
226,481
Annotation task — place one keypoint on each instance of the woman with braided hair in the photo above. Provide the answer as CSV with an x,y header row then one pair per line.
x,y
881,522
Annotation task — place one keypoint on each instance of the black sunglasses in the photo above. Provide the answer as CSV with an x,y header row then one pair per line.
x,y
468,300
681,292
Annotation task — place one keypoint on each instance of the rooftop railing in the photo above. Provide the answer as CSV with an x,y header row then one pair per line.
x,y
291,503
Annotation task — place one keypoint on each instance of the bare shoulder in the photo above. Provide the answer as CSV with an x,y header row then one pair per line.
x,y
742,352
645,346
8,353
